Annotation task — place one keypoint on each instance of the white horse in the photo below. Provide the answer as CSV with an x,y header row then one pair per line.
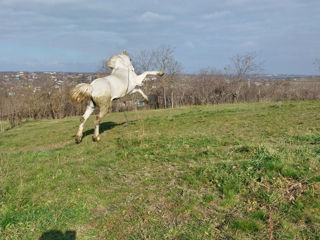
x,y
122,81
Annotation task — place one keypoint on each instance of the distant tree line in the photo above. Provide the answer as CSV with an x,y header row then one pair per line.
x,y
47,102
174,89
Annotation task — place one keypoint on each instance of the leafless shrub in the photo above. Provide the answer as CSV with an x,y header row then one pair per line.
x,y
47,101
19,101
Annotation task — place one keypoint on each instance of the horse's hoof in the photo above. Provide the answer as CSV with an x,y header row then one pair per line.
x,y
78,139
96,139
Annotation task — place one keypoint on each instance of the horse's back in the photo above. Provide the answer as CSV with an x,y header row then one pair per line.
x,y
108,86
101,87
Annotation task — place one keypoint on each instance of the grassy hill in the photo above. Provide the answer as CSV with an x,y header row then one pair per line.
x,y
237,171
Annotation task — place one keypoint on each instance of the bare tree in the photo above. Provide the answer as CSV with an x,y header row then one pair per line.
x,y
317,63
163,59
244,65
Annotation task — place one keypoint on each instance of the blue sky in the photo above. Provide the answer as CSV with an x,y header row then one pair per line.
x,y
75,35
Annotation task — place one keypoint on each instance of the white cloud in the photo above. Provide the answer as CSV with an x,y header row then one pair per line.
x,y
217,15
189,44
152,16
68,30
43,2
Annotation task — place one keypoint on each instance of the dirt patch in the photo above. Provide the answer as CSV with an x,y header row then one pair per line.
x,y
294,190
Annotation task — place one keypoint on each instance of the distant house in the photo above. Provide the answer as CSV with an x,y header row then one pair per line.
x,y
36,89
59,82
140,102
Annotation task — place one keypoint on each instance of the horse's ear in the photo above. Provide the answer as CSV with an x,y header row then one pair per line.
x,y
125,52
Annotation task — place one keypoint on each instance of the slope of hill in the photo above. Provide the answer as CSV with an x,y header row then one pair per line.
x,y
237,171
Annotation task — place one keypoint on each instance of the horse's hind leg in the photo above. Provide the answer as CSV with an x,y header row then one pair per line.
x,y
103,111
86,115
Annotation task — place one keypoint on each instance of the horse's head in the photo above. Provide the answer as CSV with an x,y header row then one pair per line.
x,y
120,61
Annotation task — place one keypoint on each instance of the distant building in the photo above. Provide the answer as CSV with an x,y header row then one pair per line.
x,y
59,82
36,89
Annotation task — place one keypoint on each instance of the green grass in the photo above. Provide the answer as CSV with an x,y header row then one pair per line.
x,y
237,171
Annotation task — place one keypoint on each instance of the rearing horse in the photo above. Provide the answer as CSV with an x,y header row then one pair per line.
x,y
122,81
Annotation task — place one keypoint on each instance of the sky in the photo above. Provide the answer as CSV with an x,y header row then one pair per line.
x,y
76,35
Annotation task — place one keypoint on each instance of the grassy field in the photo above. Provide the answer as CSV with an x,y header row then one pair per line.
x,y
237,171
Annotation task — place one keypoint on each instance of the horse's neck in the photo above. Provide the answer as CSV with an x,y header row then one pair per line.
x,y
124,75
127,77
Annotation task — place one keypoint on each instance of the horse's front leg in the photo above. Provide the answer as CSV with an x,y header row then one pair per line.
x,y
155,73
142,76
138,90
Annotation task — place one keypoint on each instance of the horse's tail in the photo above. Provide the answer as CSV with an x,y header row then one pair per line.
x,y
81,92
